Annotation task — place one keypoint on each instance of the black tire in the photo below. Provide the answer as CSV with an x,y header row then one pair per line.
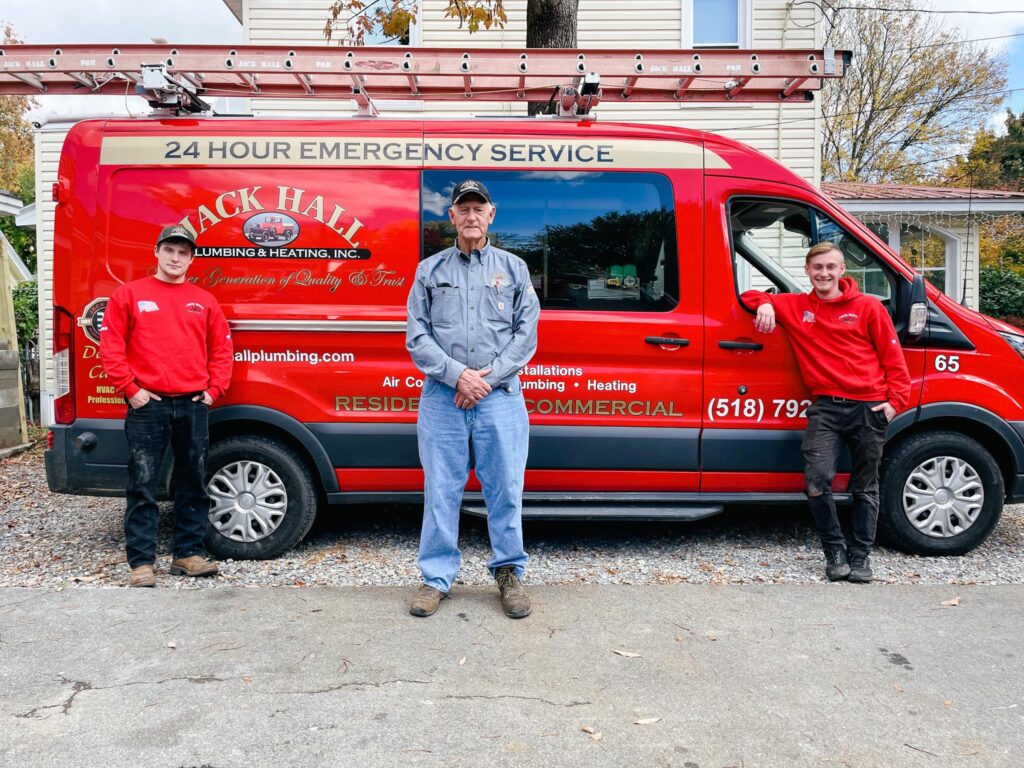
x,y
918,453
290,489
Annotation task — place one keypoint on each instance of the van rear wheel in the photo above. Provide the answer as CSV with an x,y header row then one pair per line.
x,y
941,493
262,498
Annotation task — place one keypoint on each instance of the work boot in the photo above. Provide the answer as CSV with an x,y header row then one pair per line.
x,y
513,597
196,565
142,576
836,567
860,567
426,600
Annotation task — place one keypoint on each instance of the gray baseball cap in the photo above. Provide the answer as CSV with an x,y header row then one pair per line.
x,y
176,232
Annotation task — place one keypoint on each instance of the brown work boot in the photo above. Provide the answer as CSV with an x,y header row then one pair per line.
x,y
513,597
196,565
426,600
142,576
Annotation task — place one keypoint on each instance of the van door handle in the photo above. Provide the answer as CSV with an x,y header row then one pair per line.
x,y
752,345
667,341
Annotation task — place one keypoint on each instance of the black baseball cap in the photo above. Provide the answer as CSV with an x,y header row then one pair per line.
x,y
470,187
176,232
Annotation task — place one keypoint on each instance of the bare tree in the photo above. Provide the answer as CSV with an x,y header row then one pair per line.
x,y
915,93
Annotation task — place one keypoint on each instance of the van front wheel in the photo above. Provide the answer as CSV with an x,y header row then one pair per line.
x,y
262,498
941,493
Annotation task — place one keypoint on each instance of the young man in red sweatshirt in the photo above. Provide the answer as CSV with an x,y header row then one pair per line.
x,y
851,360
166,347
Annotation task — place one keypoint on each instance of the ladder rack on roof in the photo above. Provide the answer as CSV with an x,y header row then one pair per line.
x,y
178,78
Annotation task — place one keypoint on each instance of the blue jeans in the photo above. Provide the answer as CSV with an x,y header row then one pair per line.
x,y
499,431
181,424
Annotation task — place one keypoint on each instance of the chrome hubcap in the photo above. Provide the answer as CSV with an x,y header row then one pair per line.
x,y
249,501
943,496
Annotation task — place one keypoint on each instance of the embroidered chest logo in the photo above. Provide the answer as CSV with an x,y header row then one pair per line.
x,y
849,318
148,306
194,307
808,316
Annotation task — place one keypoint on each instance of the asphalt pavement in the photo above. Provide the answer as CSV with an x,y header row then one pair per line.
x,y
694,676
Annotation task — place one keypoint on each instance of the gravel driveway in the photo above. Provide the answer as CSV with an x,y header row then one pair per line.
x,y
58,541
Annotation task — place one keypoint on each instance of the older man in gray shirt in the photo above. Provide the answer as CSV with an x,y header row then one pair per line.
x,y
472,326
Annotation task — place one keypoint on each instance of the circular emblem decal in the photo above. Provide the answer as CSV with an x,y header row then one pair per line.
x,y
92,318
271,228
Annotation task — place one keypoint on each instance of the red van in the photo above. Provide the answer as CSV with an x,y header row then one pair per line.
x,y
651,395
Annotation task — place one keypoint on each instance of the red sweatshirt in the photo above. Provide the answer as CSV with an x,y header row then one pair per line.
x,y
169,338
845,347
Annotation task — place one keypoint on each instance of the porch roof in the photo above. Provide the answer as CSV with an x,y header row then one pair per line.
x,y
904,198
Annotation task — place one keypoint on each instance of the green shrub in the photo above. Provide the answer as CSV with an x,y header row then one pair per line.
x,y
26,309
1002,292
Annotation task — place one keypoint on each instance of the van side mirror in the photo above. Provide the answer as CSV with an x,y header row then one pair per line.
x,y
916,308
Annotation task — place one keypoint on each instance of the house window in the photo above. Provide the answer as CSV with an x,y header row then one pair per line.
x,y
928,253
716,23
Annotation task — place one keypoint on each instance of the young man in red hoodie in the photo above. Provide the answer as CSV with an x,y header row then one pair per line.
x,y
851,360
166,347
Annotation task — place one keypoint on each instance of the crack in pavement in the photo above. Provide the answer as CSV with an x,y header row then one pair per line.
x,y
523,698
339,686
80,686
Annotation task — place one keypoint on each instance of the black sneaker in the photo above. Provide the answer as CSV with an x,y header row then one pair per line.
x,y
514,600
860,568
836,567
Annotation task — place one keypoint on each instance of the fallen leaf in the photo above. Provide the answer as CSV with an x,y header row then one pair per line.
x,y
596,736
679,638
897,688
712,638
952,601
247,680
588,729
646,721
462,661
627,654
172,645
948,702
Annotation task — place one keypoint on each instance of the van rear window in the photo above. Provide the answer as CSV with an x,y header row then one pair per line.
x,y
593,241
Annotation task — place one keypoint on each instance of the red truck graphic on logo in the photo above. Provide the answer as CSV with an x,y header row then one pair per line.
x,y
270,229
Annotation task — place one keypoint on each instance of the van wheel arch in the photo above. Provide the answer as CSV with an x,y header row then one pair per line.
x,y
260,421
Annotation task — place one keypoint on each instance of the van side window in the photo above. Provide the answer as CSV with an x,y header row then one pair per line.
x,y
769,239
593,241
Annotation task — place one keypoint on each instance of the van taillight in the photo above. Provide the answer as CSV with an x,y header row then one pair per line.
x,y
63,366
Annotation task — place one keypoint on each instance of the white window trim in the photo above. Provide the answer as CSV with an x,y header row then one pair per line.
x,y
745,16
954,256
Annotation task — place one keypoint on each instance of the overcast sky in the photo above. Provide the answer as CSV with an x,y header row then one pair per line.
x,y
210,21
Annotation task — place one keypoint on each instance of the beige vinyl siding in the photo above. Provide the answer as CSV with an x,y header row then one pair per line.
x,y
49,141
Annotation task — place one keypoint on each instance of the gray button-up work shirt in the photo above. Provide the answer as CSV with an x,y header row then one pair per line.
x,y
476,310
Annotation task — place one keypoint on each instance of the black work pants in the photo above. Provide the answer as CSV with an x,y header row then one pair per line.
x,y
182,424
831,422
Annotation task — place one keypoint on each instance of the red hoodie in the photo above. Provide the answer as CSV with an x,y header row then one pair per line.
x,y
845,347
169,338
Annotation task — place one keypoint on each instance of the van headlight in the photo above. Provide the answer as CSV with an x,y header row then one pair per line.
x,y
1015,340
